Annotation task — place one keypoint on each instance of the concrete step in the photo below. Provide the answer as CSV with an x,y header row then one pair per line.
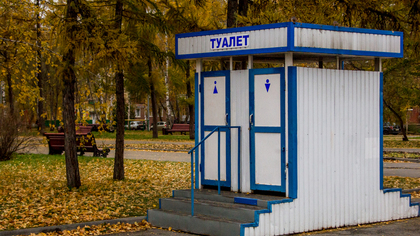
x,y
222,210
202,225
228,197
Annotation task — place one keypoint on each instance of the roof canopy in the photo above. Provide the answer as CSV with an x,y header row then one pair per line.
x,y
307,41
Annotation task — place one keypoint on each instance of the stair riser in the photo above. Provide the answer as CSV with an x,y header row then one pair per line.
x,y
216,198
193,224
211,197
208,210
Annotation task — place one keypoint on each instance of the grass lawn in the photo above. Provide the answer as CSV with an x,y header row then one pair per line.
x,y
33,191
395,141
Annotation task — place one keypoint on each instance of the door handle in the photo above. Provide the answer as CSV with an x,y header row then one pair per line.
x,y
250,119
226,119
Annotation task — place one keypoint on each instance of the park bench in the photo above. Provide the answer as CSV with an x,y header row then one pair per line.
x,y
85,143
183,128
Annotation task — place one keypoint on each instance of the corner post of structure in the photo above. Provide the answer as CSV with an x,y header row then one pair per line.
x,y
288,61
378,64
198,69
338,62
250,62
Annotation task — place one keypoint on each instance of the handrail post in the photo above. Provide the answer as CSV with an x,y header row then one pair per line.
x,y
192,184
218,160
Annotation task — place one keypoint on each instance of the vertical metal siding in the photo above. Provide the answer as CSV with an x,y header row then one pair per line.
x,y
239,117
315,38
257,39
338,157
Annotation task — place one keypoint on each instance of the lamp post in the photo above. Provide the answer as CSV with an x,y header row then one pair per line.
x,y
406,121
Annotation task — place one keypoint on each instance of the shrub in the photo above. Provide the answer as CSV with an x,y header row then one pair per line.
x,y
14,135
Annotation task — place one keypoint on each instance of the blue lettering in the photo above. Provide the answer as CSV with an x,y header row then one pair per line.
x,y
218,40
212,43
239,41
225,43
232,41
246,40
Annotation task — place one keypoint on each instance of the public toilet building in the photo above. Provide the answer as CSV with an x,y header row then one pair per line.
x,y
312,135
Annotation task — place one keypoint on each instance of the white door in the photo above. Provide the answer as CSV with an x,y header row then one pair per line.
x,y
215,103
267,129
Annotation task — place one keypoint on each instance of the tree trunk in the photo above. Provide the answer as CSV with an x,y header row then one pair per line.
x,y
243,7
190,105
10,97
40,75
231,13
69,80
405,138
153,95
119,77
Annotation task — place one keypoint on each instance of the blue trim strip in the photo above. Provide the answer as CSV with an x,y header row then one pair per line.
x,y
197,138
381,135
390,190
257,214
348,52
289,25
268,129
232,53
233,30
292,115
226,74
291,37
247,201
258,129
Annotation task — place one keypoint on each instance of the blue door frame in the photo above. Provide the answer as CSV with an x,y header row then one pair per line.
x,y
209,128
261,129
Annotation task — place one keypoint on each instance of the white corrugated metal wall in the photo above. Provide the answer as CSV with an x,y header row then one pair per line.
x,y
338,157
265,38
315,38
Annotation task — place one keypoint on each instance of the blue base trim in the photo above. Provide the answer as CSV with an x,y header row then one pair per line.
x,y
247,201
390,190
257,214
160,204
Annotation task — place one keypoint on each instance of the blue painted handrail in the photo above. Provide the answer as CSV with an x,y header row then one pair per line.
x,y
218,161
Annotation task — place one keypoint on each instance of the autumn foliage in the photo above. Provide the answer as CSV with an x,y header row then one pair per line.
x,y
33,190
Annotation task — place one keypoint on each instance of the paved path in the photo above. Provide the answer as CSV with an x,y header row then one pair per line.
x,y
131,154
390,169
408,150
408,227
402,169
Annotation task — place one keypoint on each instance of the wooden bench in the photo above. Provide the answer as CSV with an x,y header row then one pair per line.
x,y
85,142
183,128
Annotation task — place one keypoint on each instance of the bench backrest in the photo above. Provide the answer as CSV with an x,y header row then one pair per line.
x,y
181,126
83,129
82,139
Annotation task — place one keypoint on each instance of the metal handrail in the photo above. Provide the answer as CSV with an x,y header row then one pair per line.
x,y
218,160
